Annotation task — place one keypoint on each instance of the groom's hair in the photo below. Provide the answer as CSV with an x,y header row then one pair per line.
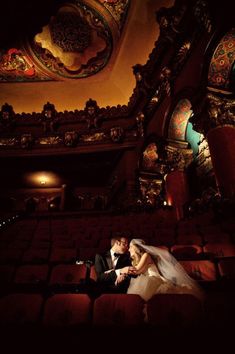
x,y
117,237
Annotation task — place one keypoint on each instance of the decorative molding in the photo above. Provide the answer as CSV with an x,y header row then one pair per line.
x,y
215,112
178,159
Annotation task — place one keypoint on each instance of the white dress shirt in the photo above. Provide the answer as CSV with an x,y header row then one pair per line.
x,y
114,262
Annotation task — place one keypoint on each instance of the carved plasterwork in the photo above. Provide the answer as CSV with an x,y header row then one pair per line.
x,y
71,138
178,159
116,134
99,136
8,141
50,140
151,191
26,141
221,110
203,158
215,111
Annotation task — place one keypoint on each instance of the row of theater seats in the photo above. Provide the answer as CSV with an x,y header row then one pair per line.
x,y
80,278
88,233
46,253
41,253
107,309
65,241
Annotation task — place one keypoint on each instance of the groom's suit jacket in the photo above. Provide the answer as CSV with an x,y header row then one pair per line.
x,y
103,263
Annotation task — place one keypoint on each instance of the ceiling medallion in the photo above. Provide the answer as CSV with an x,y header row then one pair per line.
x,y
76,43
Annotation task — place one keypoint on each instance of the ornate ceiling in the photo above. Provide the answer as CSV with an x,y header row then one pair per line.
x,y
68,52
77,42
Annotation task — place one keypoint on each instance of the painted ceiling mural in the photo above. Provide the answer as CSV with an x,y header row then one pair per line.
x,y
77,42
179,120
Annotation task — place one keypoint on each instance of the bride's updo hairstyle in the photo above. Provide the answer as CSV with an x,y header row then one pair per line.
x,y
138,251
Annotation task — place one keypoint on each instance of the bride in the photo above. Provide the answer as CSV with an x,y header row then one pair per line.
x,y
158,272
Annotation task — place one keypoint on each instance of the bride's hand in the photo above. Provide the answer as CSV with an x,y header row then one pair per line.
x,y
132,270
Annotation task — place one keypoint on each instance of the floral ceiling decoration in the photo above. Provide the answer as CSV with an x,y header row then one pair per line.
x,y
78,42
179,120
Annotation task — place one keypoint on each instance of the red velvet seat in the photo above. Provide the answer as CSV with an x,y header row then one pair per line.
x,y
189,252
20,309
174,310
31,276
66,277
226,268
219,250
67,310
85,254
63,255
203,270
35,256
118,310
189,239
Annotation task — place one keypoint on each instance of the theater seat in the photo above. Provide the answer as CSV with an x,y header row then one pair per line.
x,y
20,309
67,277
31,277
219,250
226,268
186,252
67,310
202,270
118,310
174,310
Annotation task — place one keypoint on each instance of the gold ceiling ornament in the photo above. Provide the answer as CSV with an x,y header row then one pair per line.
x,y
78,41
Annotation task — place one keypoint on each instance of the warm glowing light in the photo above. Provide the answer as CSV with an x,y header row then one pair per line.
x,y
164,203
169,201
43,179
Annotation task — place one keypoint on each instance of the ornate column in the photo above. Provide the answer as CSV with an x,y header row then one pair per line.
x,y
177,191
216,122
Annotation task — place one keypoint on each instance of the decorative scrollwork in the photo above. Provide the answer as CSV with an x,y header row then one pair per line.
x,y
26,141
117,134
70,32
71,138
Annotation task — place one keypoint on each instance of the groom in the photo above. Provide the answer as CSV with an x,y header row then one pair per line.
x,y
111,267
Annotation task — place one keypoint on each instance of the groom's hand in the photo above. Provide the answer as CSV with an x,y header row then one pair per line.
x,y
120,278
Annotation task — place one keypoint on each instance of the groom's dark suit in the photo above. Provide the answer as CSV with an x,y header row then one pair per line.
x,y
106,281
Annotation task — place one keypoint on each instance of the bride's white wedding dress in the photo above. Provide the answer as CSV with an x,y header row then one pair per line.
x,y
151,282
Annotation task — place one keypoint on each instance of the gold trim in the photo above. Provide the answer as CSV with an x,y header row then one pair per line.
x,y
228,93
